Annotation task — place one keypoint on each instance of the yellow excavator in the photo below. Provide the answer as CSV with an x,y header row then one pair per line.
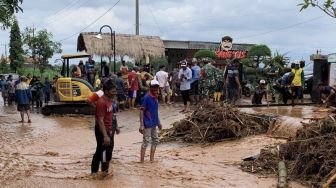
x,y
71,93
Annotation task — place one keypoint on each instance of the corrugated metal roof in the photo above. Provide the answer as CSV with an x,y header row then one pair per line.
x,y
175,44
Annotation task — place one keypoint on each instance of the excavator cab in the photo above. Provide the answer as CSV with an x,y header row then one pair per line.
x,y
72,89
71,93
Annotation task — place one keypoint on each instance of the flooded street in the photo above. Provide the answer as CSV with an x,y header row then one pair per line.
x,y
57,151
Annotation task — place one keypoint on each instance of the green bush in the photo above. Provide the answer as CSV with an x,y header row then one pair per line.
x,y
205,54
156,63
49,72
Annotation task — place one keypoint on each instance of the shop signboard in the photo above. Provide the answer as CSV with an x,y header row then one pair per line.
x,y
225,50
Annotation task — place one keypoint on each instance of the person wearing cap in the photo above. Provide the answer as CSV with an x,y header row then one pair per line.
x,y
297,82
327,93
283,86
259,92
185,76
23,98
149,120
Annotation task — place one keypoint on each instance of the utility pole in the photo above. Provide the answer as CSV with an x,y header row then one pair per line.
x,y
137,17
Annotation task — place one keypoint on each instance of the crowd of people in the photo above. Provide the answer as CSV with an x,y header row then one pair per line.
x,y
36,92
131,88
41,91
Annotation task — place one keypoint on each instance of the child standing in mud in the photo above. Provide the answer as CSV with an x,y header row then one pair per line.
x,y
104,130
149,120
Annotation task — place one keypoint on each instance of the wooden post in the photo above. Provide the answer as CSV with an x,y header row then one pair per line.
x,y
329,181
282,181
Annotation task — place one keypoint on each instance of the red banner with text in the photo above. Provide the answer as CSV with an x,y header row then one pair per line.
x,y
230,54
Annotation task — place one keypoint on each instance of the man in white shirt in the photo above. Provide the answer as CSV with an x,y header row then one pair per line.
x,y
162,78
185,76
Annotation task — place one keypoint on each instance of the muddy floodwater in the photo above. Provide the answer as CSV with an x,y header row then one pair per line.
x,y
56,151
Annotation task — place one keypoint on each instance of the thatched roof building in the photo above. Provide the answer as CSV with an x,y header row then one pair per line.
x,y
134,46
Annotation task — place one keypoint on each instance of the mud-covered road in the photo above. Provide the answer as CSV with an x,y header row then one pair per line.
x,y
56,151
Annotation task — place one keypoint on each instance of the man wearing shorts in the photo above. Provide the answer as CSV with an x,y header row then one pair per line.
x,y
149,120
162,78
133,88
23,98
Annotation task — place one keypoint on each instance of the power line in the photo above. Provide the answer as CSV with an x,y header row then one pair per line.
x,y
224,17
155,21
280,29
67,6
108,10
65,14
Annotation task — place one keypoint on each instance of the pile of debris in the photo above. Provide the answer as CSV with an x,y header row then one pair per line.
x,y
310,156
211,122
264,163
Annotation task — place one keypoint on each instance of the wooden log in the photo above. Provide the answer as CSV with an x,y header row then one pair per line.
x,y
282,181
313,118
329,181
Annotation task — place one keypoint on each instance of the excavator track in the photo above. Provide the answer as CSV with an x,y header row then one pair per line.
x,y
65,108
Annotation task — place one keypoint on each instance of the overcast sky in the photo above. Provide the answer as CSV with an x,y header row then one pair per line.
x,y
278,24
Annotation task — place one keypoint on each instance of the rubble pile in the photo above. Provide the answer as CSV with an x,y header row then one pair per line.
x,y
264,163
211,122
310,156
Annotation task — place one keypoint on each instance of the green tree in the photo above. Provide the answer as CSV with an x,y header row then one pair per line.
x,y
40,46
15,47
327,6
259,50
7,10
157,62
205,54
279,60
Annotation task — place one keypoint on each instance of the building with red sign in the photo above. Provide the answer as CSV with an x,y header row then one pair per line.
x,y
176,50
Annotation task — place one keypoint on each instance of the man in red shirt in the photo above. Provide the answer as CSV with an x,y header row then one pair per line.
x,y
134,87
103,128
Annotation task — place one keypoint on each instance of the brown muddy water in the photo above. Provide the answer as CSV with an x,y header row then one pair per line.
x,y
56,151
290,118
